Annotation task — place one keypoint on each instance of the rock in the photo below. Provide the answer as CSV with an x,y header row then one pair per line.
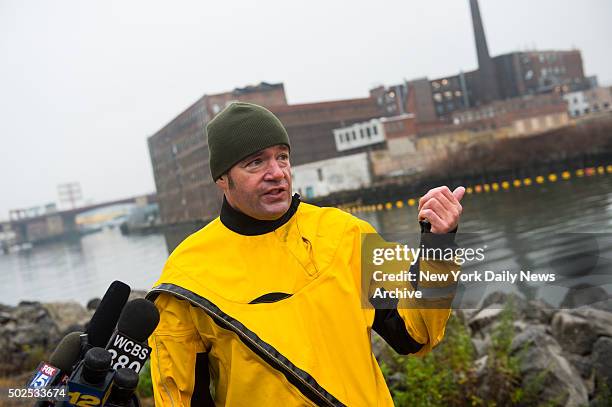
x,y
31,330
600,320
397,381
137,294
602,361
5,317
538,310
583,294
542,365
481,346
93,304
484,317
574,333
66,314
584,366
480,366
497,297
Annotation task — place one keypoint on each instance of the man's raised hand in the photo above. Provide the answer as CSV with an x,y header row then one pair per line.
x,y
441,208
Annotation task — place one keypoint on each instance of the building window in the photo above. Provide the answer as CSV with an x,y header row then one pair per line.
x,y
361,132
320,174
374,130
437,97
309,192
354,134
368,132
576,112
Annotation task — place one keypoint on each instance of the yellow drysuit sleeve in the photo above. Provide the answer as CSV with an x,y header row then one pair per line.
x,y
424,320
175,345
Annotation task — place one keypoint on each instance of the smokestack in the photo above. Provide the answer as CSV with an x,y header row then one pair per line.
x,y
488,82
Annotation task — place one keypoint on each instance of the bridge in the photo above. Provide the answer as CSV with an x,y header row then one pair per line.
x,y
28,228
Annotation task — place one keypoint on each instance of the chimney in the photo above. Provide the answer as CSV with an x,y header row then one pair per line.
x,y
488,90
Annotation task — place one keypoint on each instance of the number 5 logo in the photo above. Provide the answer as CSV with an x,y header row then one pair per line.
x,y
40,381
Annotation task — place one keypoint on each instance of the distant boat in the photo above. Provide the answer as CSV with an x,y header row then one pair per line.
x,y
23,247
143,219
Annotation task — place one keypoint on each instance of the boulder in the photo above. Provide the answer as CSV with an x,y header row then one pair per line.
x,y
68,314
485,317
584,366
545,371
574,333
602,361
93,304
583,294
538,310
600,320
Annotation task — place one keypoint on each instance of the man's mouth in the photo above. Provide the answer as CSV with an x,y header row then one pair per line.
x,y
275,192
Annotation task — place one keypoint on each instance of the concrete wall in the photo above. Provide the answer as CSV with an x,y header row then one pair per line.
x,y
324,177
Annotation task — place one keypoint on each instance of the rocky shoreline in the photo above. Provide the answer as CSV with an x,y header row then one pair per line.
x,y
564,356
31,330
568,350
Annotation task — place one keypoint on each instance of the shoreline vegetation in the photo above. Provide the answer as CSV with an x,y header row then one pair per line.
x,y
510,351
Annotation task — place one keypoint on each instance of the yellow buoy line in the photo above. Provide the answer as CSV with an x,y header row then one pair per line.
x,y
488,187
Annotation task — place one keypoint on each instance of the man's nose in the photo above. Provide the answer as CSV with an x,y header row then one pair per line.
x,y
274,171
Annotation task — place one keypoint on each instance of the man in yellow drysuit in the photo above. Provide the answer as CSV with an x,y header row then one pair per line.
x,y
263,306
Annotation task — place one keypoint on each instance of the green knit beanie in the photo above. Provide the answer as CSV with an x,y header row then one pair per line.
x,y
240,130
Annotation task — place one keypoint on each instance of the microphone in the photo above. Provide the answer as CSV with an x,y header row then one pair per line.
x,y
90,383
128,344
105,318
57,370
60,364
124,386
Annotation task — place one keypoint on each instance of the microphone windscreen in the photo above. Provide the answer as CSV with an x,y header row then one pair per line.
x,y
125,383
126,379
138,319
96,364
67,352
103,321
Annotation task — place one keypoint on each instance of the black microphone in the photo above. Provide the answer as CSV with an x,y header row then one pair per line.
x,y
124,387
90,383
58,369
105,318
128,344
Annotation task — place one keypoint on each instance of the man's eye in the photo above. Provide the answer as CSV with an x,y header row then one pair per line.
x,y
254,163
283,156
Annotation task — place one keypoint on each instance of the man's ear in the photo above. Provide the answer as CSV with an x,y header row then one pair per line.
x,y
222,181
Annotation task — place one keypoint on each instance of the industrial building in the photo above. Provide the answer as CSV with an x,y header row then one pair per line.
x,y
521,92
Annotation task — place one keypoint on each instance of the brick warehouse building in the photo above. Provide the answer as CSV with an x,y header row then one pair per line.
x,y
179,151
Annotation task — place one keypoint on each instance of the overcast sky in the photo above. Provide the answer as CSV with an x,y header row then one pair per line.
x,y
84,83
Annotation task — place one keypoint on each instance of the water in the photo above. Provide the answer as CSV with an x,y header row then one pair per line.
x,y
508,221
563,228
81,269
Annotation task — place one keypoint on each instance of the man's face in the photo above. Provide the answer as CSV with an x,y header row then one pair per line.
x,y
260,185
